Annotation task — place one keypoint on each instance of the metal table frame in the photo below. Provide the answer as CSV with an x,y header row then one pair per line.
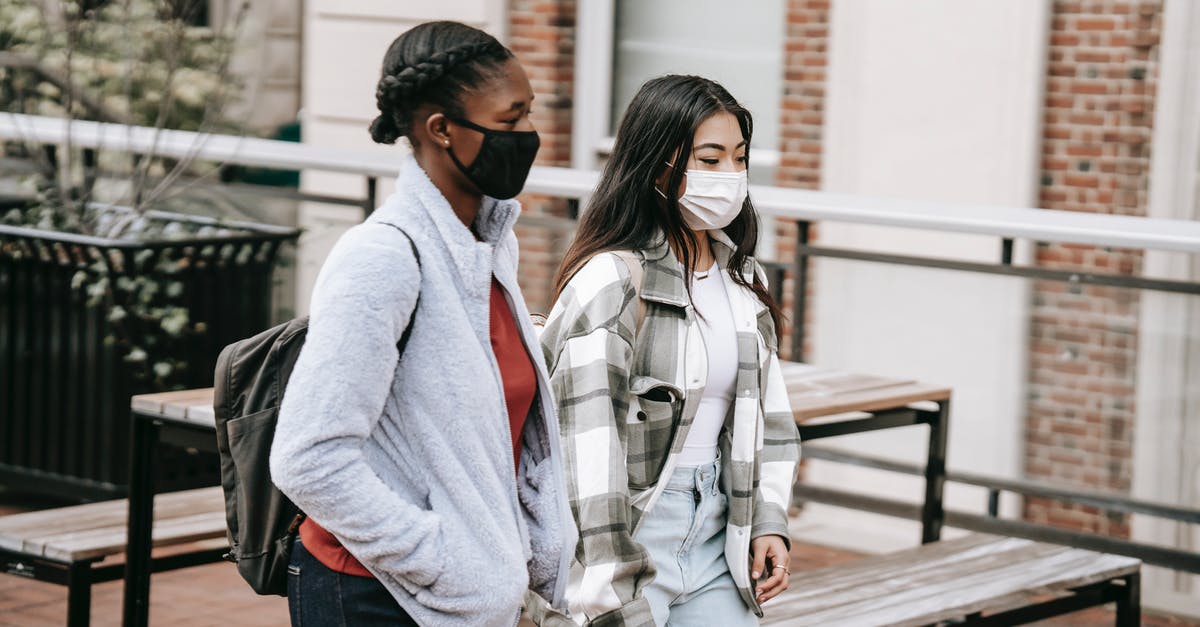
x,y
148,431
1125,591
933,513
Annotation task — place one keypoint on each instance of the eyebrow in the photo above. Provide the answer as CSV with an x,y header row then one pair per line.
x,y
520,104
718,146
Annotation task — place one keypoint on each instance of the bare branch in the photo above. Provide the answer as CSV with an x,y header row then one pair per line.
x,y
165,104
212,106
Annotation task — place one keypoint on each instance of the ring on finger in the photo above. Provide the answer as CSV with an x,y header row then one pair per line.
x,y
785,568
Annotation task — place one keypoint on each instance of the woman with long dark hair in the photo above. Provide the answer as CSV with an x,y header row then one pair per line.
x,y
417,431
679,440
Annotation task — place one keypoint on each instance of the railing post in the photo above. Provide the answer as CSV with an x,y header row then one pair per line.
x,y
993,507
89,172
369,204
800,289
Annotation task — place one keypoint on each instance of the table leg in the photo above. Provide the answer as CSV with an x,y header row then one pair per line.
x,y
143,448
933,513
1129,606
79,594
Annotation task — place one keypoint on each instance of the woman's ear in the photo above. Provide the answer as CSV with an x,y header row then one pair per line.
x,y
438,130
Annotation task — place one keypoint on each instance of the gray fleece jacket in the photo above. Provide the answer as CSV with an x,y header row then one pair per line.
x,y
407,459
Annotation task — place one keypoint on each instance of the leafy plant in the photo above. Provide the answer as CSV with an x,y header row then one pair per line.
x,y
139,62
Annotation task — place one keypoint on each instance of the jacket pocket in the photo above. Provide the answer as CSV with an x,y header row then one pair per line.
x,y
649,433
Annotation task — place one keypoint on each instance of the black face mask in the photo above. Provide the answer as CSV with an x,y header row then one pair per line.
x,y
503,162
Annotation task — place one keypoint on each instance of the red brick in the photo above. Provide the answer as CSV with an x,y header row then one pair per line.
x,y
1089,87
1080,180
1093,56
1089,150
1095,23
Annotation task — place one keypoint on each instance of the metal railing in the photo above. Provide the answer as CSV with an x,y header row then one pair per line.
x,y
804,207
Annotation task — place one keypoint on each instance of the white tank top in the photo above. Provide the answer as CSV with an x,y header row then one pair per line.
x,y
720,340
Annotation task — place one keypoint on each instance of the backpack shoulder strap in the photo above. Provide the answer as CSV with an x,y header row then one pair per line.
x,y
633,261
416,255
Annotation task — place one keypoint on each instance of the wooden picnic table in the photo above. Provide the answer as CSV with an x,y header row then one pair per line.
x,y
974,580
857,403
184,418
828,403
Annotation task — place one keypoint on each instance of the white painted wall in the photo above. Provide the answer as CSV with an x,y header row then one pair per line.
x,y
344,43
937,100
267,60
1166,460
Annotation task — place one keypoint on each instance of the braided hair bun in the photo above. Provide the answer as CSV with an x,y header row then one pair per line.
x,y
433,63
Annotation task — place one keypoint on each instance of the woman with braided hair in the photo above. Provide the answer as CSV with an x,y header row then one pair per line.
x,y
417,431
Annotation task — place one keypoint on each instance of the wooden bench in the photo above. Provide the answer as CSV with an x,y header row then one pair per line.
x,y
64,545
976,580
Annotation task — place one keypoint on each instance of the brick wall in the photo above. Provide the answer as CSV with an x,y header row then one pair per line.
x,y
1083,348
803,114
542,35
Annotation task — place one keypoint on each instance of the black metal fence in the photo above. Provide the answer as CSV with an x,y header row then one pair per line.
x,y
65,384
1114,504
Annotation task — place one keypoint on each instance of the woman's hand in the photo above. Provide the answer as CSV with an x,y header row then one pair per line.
x,y
769,552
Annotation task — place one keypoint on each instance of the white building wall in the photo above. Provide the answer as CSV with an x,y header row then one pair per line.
x,y
267,61
1166,437
947,109
344,43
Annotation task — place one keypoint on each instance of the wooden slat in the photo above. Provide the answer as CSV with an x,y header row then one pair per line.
x,y
99,529
174,531
190,406
201,414
21,525
815,392
154,403
46,524
940,581
177,408
872,400
80,522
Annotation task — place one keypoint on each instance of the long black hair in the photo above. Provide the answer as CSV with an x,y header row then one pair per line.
x,y
433,63
626,210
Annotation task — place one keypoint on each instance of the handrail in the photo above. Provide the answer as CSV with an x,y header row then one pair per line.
x,y
1043,225
1091,498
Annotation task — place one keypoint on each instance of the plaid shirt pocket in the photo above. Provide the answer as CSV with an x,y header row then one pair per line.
x,y
650,431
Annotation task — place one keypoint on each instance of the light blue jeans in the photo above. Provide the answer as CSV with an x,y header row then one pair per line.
x,y
685,535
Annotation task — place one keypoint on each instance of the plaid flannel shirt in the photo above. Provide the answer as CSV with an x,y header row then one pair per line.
x,y
626,401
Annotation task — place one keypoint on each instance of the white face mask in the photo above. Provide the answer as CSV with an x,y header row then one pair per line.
x,y
712,199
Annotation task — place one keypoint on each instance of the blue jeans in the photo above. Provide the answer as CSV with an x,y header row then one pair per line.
x,y
321,597
685,535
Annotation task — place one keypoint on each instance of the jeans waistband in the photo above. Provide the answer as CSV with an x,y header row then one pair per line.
x,y
702,478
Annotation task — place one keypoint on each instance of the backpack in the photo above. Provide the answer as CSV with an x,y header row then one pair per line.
x,y
251,377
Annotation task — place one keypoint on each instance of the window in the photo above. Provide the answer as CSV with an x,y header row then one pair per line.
x,y
739,45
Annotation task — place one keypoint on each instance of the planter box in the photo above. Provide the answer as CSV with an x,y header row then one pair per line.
x,y
65,386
